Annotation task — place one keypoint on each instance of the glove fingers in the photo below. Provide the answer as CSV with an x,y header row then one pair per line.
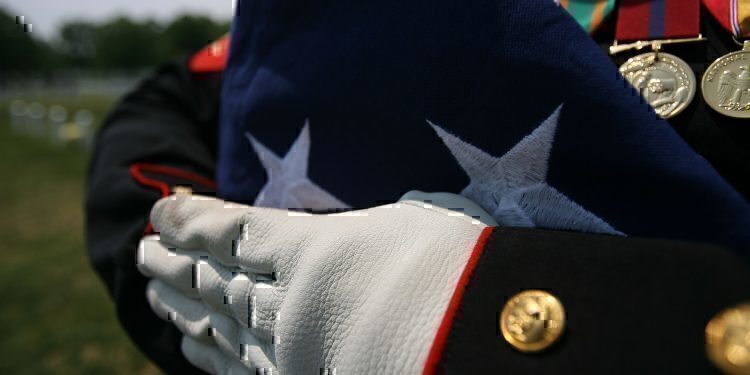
x,y
202,323
242,343
233,294
266,236
189,316
273,239
210,359
206,357
229,292
173,266
225,290
197,276
193,222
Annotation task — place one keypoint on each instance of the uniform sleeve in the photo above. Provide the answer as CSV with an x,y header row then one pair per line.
x,y
631,306
161,135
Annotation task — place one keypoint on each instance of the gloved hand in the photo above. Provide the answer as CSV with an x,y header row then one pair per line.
x,y
359,292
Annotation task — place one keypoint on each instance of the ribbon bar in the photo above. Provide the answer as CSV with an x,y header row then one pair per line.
x,y
657,19
734,15
588,13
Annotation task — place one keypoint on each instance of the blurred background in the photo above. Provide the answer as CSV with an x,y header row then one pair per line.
x,y
63,65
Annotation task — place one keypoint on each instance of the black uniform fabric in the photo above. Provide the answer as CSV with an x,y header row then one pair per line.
x,y
633,306
722,140
169,121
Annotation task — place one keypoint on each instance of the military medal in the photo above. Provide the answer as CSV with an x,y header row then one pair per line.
x,y
726,83
665,81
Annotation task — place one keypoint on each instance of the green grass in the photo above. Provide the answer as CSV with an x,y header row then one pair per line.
x,y
56,315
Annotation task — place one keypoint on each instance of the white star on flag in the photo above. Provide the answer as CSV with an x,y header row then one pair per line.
x,y
288,185
514,189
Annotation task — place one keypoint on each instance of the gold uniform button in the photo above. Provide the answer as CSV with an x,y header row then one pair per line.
x,y
728,340
532,320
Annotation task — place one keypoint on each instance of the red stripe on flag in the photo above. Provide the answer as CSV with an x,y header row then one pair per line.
x,y
683,19
633,20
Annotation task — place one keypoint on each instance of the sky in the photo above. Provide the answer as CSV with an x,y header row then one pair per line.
x,y
46,16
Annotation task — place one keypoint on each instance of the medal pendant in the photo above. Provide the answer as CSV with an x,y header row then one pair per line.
x,y
726,84
665,81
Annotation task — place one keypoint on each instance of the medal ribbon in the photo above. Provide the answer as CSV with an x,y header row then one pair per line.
x,y
658,19
589,13
734,15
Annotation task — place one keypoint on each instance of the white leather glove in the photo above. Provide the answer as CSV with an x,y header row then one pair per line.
x,y
352,293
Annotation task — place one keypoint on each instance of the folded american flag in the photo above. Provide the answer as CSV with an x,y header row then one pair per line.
x,y
336,104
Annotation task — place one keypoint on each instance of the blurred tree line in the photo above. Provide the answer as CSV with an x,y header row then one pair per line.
x,y
119,43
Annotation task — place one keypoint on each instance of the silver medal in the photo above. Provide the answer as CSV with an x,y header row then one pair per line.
x,y
726,84
665,81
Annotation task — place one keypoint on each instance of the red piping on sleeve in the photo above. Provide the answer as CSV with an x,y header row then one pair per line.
x,y
212,58
137,169
441,338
